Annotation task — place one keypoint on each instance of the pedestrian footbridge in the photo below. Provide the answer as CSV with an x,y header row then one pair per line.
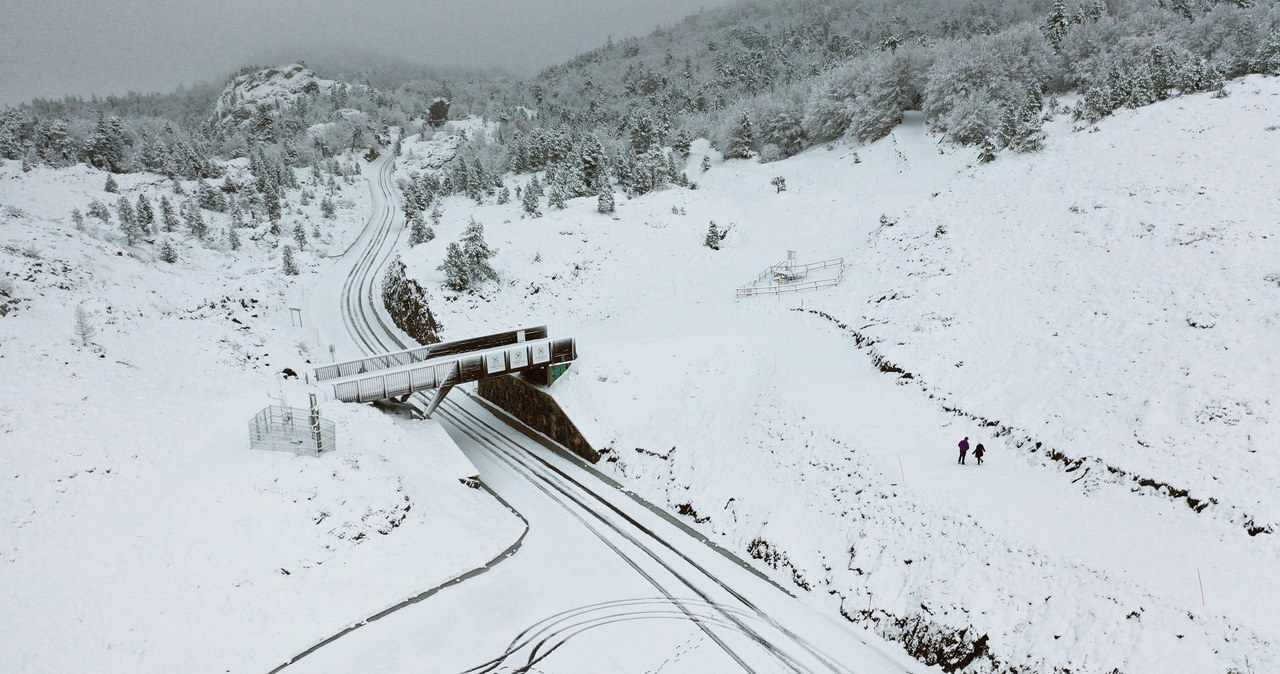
x,y
441,366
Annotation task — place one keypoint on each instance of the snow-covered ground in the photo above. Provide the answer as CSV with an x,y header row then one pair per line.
x,y
138,532
1100,315
1113,298
602,580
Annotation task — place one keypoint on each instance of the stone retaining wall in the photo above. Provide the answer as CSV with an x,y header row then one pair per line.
x,y
537,409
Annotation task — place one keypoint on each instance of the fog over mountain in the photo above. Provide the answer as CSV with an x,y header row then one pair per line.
x,y
58,47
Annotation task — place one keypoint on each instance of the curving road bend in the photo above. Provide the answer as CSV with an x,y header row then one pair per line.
x,y
602,581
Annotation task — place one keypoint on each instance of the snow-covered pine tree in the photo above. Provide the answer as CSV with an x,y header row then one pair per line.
x,y
1139,89
146,214
128,221
706,163
300,236
478,253
504,195
106,148
1056,25
112,186
714,236
680,144
555,197
531,201
56,145
1093,106
233,239
457,276
742,142
460,174
592,164
154,154
98,210
1266,58
1009,127
1088,12
419,232
288,264
1022,129
645,132
77,218
211,198
327,208
168,218
986,152
1182,8
1164,70
436,215
167,252
604,202
271,200
195,220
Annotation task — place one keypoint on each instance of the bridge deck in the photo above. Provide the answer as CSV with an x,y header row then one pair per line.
x,y
451,370
422,353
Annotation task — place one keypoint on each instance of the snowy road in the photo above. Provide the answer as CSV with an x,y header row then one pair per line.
x,y
602,581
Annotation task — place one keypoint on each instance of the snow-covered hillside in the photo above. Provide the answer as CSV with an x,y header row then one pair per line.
x,y
1122,308
138,532
1111,299
268,90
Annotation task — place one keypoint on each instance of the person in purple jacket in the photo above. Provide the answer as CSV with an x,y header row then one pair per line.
x,y
964,449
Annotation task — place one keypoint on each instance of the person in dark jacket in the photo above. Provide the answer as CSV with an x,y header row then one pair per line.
x,y
964,449
978,452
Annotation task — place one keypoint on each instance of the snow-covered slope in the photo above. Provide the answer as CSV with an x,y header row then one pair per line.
x,y
1123,306
138,532
1112,297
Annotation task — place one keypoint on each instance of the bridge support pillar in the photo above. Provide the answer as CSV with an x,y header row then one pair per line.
x,y
436,400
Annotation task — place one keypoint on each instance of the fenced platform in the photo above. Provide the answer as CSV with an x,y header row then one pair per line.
x,y
790,277
291,429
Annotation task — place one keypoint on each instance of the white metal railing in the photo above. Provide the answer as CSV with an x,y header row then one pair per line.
x,y
784,286
380,362
419,354
396,384
291,429
444,371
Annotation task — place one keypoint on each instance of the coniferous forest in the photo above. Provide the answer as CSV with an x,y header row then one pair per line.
x,y
760,80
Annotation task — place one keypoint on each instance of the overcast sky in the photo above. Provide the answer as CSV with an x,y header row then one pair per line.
x,y
49,48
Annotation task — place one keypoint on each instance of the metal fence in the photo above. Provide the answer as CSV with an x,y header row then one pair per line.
x,y
291,429
449,371
785,270
421,353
